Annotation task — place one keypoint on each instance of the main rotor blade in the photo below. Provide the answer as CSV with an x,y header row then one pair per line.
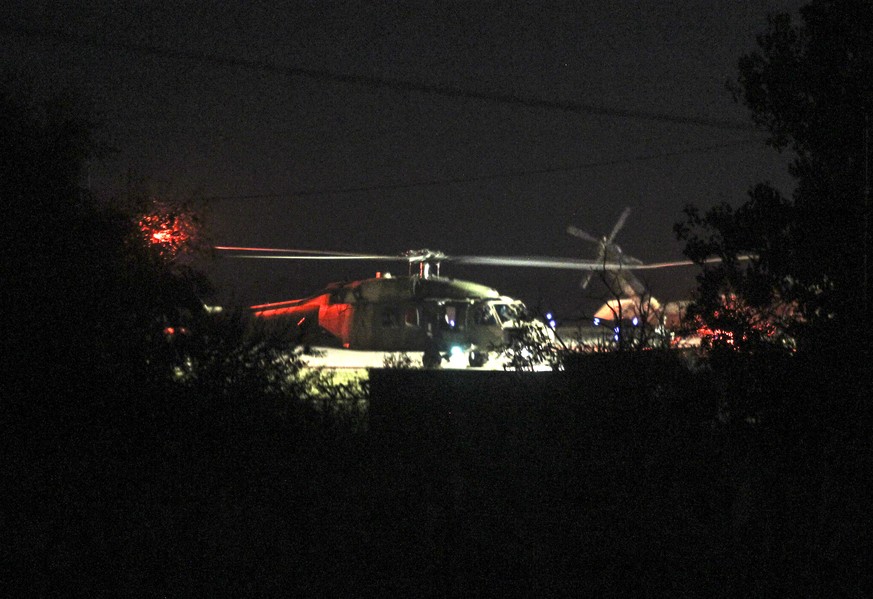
x,y
518,261
300,257
618,225
536,262
577,232
572,263
654,265
292,254
228,248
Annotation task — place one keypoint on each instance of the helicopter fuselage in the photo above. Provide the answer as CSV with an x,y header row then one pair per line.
x,y
408,313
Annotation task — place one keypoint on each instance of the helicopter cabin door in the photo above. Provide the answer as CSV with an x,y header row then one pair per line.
x,y
395,326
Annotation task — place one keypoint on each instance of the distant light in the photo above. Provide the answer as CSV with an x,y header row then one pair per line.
x,y
552,324
616,330
615,337
635,321
457,350
548,316
172,230
452,323
596,322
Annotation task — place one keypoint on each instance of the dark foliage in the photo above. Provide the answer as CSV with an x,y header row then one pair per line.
x,y
810,87
140,433
629,476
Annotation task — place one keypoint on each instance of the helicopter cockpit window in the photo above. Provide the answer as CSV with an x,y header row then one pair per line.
x,y
507,312
484,315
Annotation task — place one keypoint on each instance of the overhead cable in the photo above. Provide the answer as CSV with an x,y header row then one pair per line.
x,y
402,85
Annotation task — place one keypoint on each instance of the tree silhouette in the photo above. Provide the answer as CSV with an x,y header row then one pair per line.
x,y
810,86
124,438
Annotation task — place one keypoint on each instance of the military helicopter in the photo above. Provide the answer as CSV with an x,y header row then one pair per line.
x,y
420,311
630,297
631,302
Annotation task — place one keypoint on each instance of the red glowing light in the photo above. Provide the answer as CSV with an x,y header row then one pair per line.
x,y
171,231
736,323
162,237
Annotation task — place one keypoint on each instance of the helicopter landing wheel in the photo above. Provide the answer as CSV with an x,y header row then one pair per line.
x,y
431,359
477,358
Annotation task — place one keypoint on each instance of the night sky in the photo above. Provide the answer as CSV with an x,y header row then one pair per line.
x,y
468,127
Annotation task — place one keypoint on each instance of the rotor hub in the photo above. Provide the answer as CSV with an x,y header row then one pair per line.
x,y
428,262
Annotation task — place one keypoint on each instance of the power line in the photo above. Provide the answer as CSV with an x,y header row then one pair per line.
x,y
477,179
448,91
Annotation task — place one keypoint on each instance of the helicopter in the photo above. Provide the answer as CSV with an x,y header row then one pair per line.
x,y
630,297
418,312
423,311
631,304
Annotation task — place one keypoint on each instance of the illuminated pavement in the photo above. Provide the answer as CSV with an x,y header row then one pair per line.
x,y
342,359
